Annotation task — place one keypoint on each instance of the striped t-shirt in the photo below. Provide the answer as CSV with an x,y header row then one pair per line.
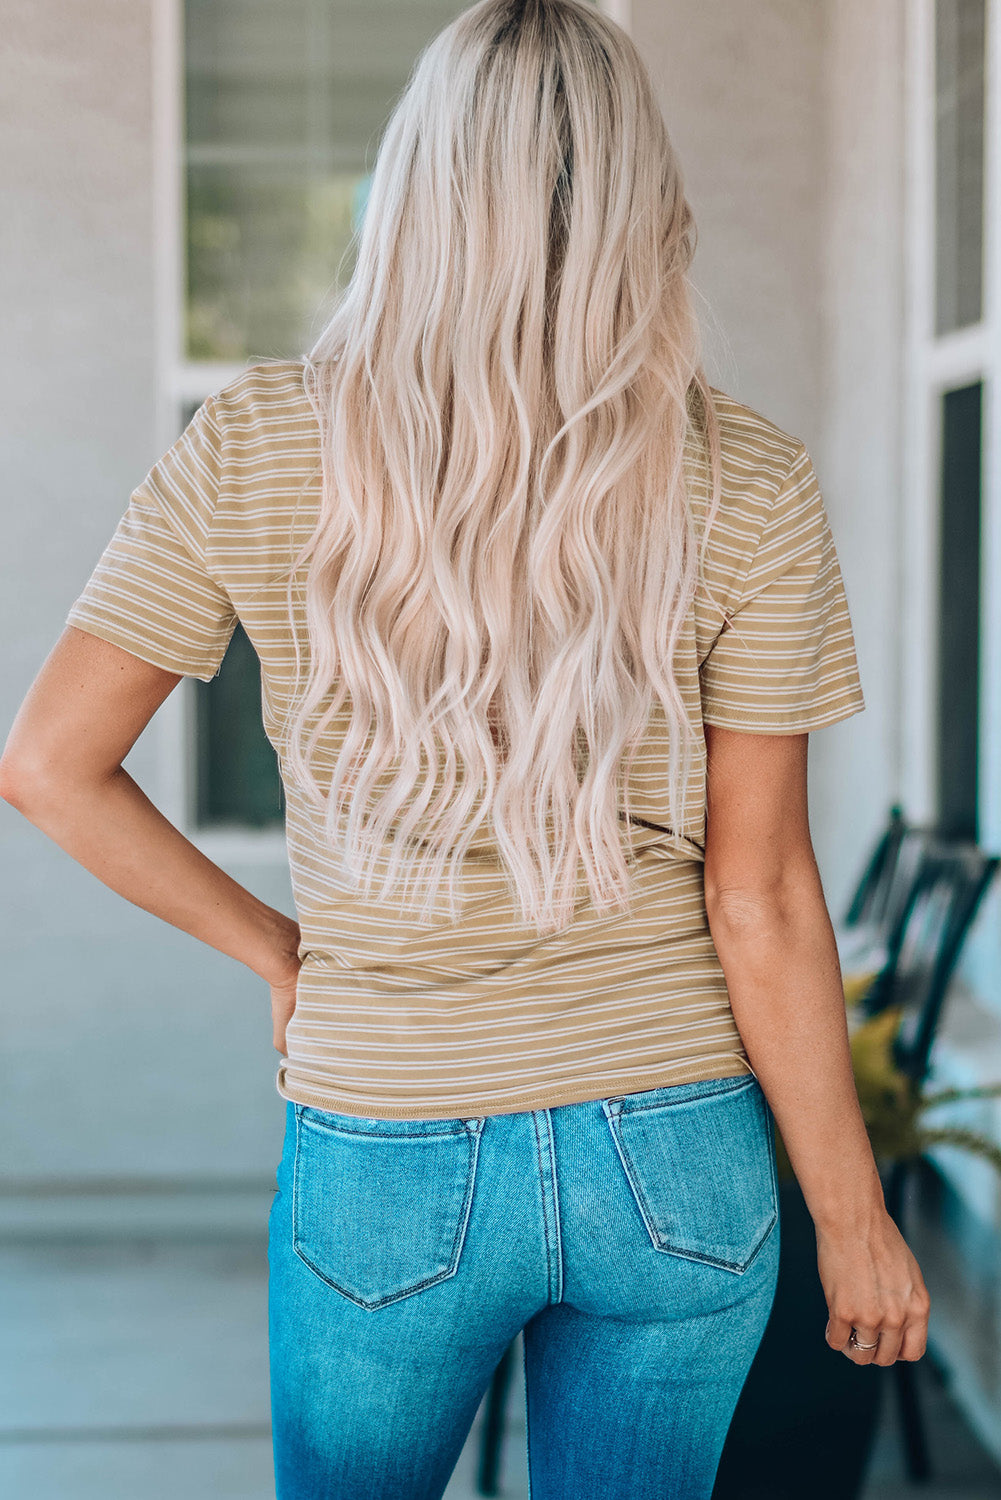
x,y
484,1015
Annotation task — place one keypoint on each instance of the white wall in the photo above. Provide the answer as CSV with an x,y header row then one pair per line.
x,y
861,389
739,88
788,135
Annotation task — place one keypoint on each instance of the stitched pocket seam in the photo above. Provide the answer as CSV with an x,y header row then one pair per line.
x,y
473,1133
660,1244
630,1107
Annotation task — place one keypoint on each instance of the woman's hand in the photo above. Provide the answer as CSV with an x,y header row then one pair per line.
x,y
873,1284
284,1002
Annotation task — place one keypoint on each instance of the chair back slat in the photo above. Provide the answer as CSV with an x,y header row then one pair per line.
x,y
868,898
883,932
929,930
965,872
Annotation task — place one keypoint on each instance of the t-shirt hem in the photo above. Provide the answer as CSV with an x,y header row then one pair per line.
x,y
154,655
541,1098
755,723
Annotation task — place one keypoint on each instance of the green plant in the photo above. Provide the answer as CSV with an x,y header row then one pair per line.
x,y
894,1107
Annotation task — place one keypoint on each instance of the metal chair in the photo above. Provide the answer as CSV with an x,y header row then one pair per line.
x,y
871,931
945,893
868,901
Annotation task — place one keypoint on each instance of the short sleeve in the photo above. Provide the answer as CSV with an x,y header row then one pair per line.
x,y
152,591
785,659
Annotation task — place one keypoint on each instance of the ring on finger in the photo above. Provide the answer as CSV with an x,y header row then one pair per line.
x,y
854,1343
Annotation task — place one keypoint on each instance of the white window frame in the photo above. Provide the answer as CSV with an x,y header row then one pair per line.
x,y
934,365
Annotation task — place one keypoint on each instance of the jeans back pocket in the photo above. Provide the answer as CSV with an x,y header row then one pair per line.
x,y
380,1207
700,1162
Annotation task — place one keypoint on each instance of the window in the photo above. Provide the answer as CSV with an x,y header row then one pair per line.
x,y
951,517
238,779
958,715
284,106
959,163
959,185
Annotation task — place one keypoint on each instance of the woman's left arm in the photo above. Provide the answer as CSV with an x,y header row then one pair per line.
x,y
62,769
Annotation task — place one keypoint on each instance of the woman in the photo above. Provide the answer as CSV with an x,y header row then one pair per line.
x,y
544,621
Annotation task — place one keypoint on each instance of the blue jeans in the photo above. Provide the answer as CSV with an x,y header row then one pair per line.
x,y
634,1240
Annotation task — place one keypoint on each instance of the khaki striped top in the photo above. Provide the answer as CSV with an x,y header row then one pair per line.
x,y
483,1015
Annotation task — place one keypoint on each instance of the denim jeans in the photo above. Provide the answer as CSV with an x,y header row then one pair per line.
x,y
633,1239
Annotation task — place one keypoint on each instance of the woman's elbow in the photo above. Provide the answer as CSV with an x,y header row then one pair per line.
x,y
22,782
749,910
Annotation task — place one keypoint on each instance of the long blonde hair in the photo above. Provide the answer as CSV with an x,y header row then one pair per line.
x,y
505,550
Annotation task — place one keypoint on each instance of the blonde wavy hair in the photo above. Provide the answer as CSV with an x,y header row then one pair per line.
x,y
505,551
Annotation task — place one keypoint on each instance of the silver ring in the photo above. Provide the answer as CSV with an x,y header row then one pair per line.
x,y
853,1341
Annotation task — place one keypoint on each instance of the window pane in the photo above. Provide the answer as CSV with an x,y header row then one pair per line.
x,y
959,163
285,106
238,780
264,246
959,613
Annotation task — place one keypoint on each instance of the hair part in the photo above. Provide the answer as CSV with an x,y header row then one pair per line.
x,y
505,551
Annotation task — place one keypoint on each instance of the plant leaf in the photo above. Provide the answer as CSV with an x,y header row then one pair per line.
x,y
965,1140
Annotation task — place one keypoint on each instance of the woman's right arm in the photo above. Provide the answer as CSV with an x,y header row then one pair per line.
x,y
773,934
